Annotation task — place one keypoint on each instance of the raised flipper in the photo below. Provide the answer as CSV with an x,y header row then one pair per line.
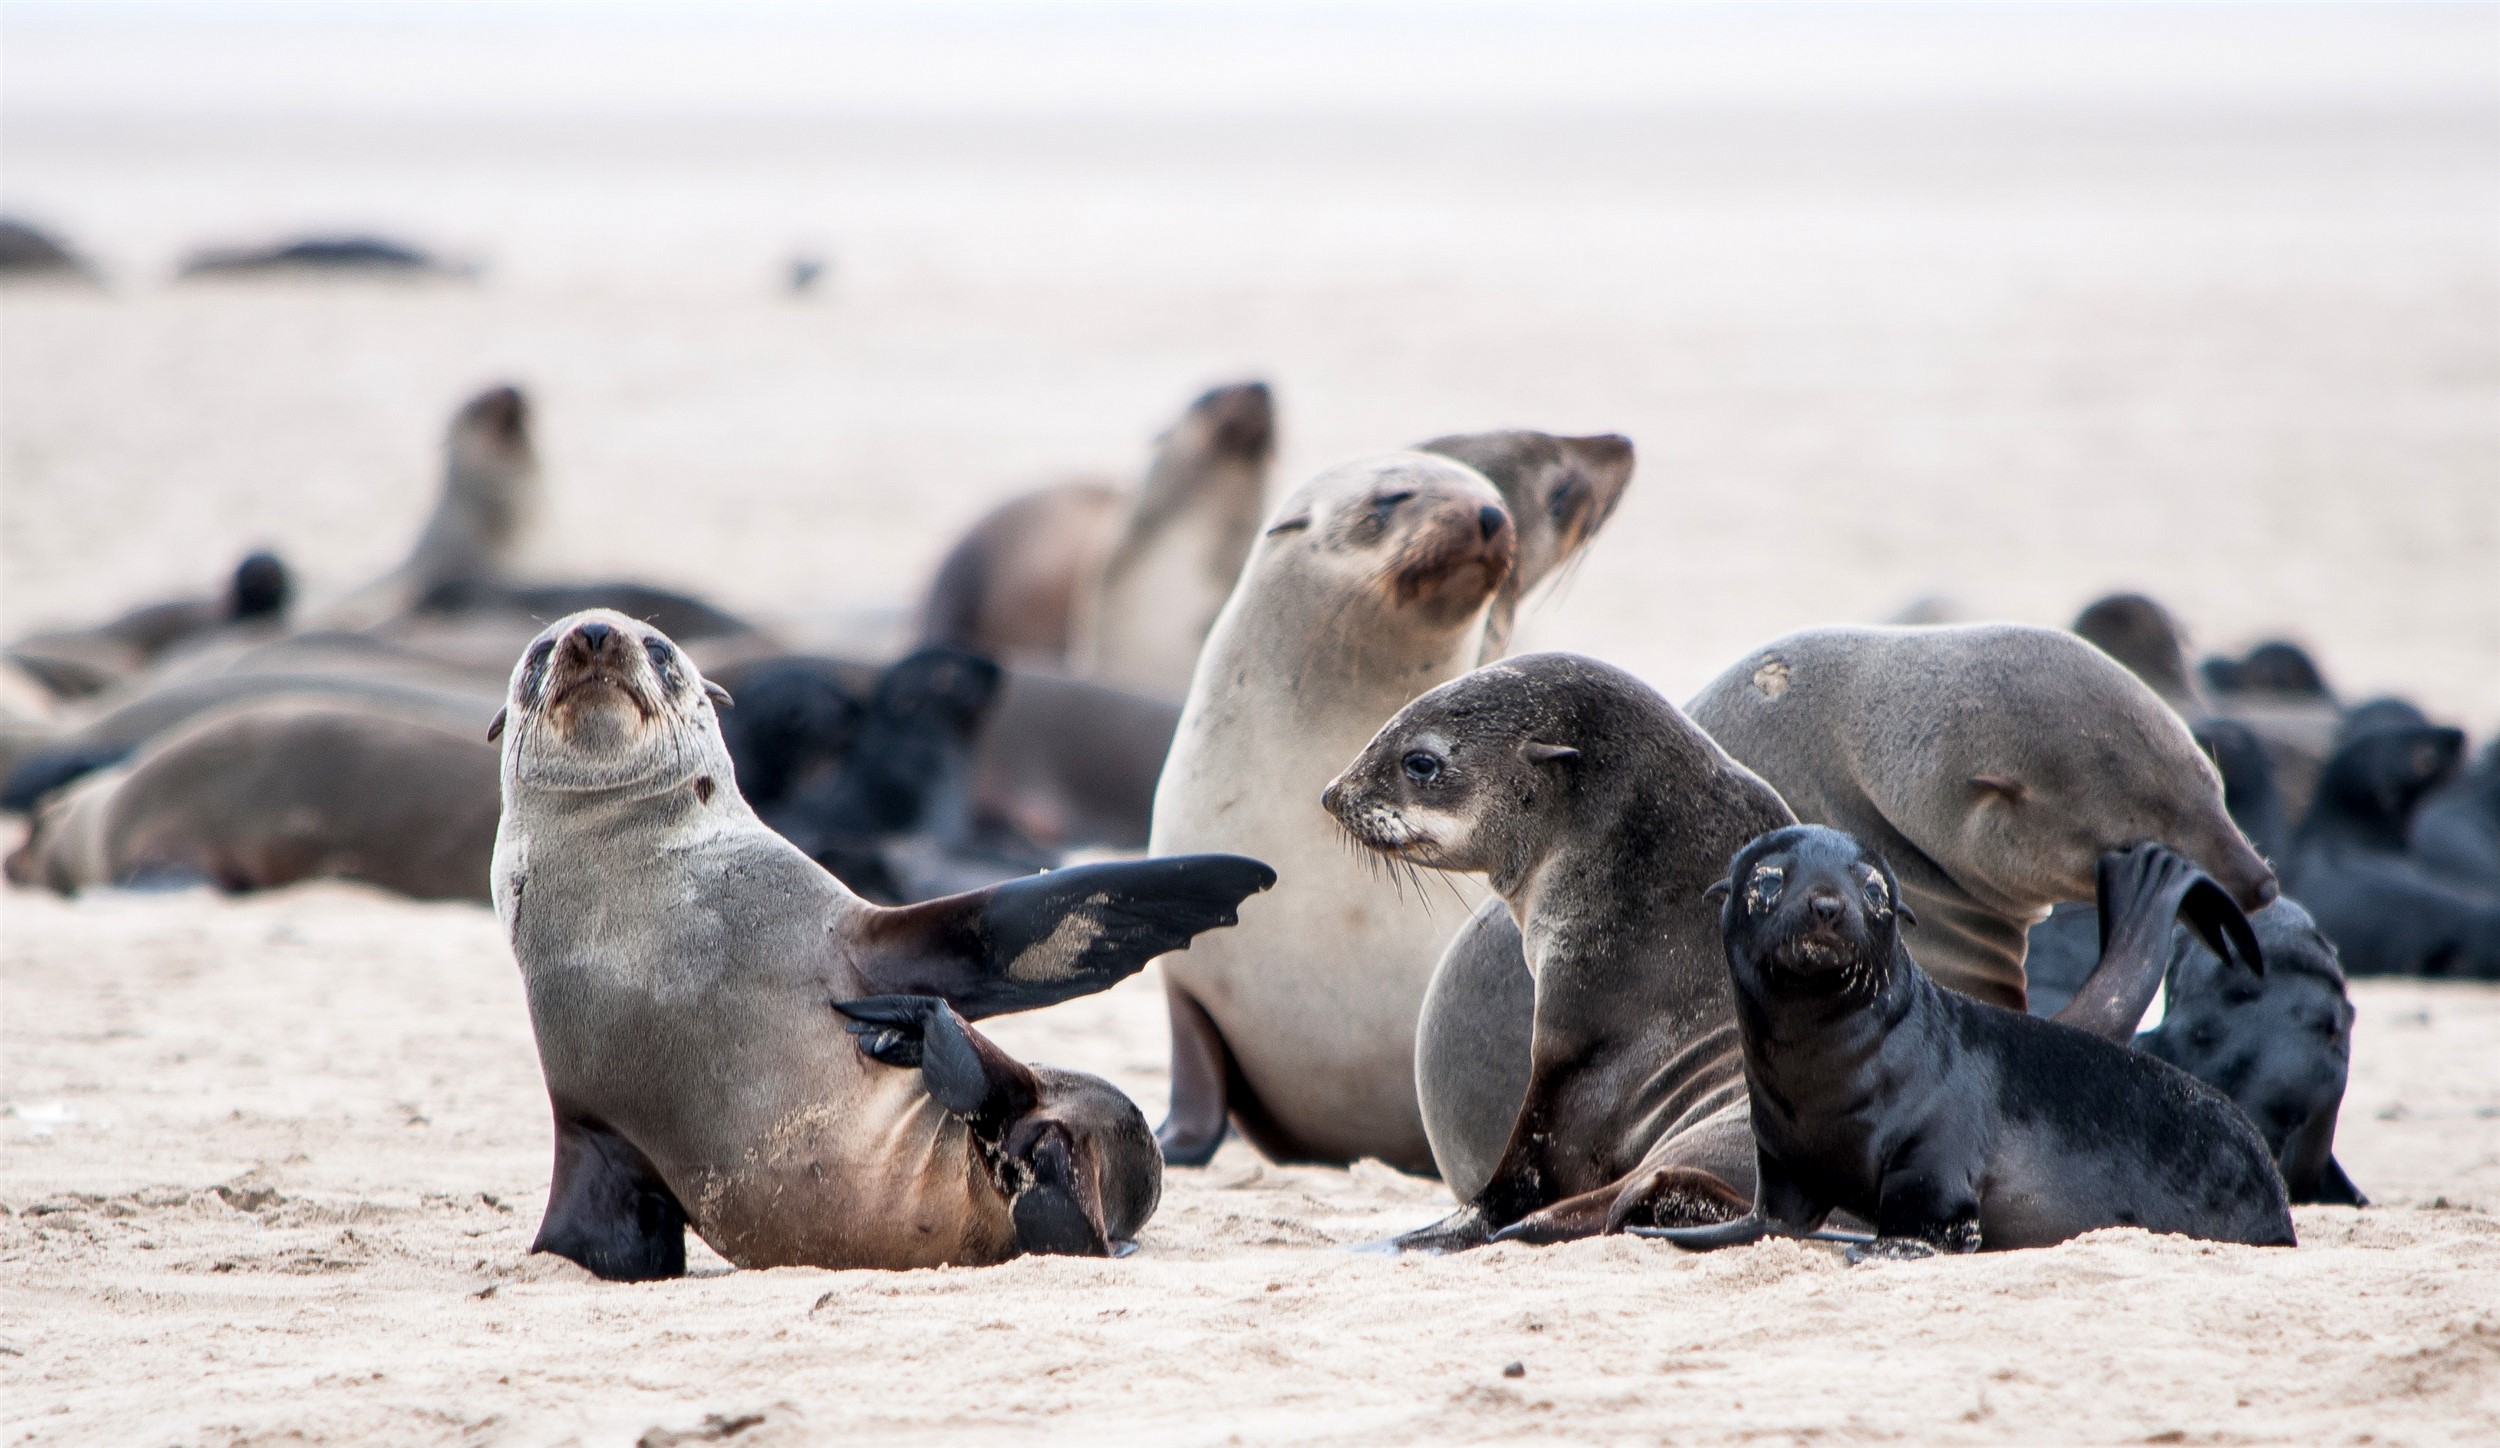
x,y
1036,1161
2142,890
1201,1066
608,1209
1053,936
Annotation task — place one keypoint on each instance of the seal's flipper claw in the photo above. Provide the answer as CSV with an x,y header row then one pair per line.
x,y
1056,935
609,1210
1743,1232
961,1070
2217,919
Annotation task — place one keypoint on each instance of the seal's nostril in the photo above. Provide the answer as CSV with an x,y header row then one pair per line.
x,y
1826,908
1489,520
596,634
1328,799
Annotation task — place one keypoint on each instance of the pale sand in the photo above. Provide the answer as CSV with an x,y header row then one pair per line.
x,y
274,1165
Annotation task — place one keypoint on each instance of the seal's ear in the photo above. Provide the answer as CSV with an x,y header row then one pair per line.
x,y
1053,936
494,731
1901,906
2012,790
718,695
1536,753
1719,890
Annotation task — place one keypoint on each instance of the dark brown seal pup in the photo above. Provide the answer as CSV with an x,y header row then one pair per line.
x,y
1949,1124
2350,866
1599,814
2053,755
275,791
687,972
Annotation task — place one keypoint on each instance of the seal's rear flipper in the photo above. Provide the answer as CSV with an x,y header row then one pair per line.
x,y
1743,1232
1201,1065
963,1070
2142,891
1054,936
608,1209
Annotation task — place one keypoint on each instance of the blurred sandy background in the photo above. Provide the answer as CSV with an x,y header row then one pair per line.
x,y
2008,306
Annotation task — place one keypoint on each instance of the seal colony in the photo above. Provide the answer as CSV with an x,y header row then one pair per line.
x,y
757,955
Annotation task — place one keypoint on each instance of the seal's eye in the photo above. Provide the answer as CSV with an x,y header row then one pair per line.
x,y
663,660
1878,899
1421,767
1763,891
1565,501
1387,501
534,668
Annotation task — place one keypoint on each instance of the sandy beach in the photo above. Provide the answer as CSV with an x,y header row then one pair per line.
x,y
269,1167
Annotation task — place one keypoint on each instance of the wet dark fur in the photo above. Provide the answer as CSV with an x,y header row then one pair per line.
x,y
1949,1124
2349,863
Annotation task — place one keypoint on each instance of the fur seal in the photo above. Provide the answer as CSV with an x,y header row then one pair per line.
x,y
27,250
2147,639
1026,586
2277,692
2387,914
488,506
1559,490
2456,833
1598,813
323,255
78,663
1138,626
1949,1124
1370,585
274,791
692,979
2054,755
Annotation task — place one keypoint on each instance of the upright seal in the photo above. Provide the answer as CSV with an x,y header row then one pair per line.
x,y
692,978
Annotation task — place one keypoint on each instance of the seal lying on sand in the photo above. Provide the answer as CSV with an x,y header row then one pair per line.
x,y
1370,586
273,791
1140,576
2387,914
76,663
2456,832
684,967
1949,1124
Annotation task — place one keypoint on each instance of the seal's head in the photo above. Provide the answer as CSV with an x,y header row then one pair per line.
x,y
1400,544
1086,1144
1236,420
2142,635
2279,1044
1487,772
1808,911
492,429
2376,779
600,701
261,588
1559,490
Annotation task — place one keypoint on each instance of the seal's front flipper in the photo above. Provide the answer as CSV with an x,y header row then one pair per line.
x,y
1054,936
608,1209
963,1070
1201,1065
2333,1188
2311,1174
1743,1232
1565,1221
1463,1229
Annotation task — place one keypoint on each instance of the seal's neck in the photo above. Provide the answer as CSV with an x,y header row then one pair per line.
x,y
1801,1036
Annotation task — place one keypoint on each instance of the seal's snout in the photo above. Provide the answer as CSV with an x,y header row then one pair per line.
x,y
593,639
1332,795
1826,907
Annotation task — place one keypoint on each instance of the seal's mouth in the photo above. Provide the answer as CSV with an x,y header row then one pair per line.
x,y
598,682
1825,961
1455,561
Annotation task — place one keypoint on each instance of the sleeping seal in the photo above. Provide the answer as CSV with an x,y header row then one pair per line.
x,y
1948,1124
1370,586
692,978
1598,814
75,663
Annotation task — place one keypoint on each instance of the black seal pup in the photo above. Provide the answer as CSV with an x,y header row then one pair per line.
x,y
1598,813
692,978
2456,833
1949,1124
2349,865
